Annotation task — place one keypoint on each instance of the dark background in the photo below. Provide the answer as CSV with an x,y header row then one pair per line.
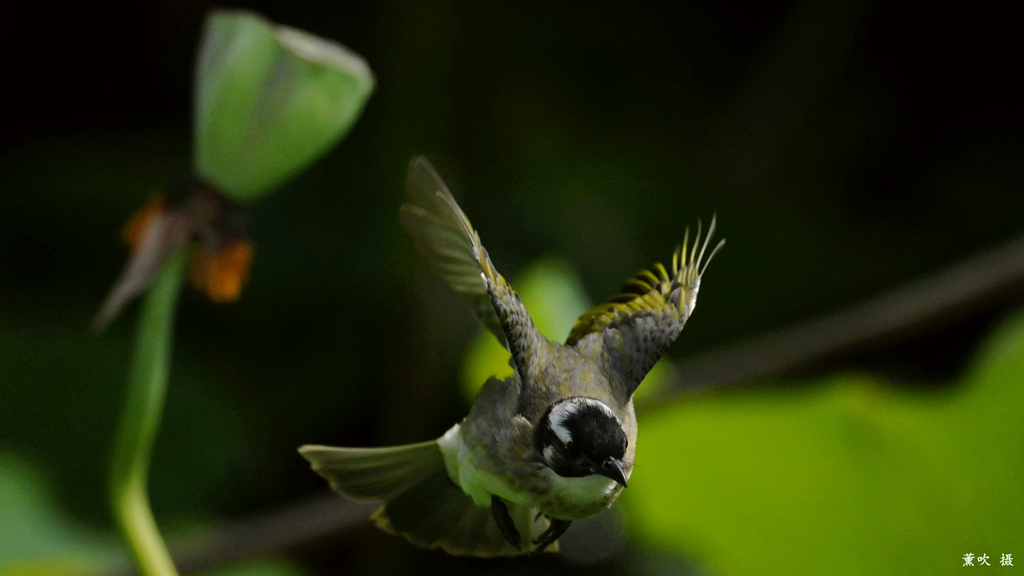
x,y
847,147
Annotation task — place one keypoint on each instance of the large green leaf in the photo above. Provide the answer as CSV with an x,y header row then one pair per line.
x,y
36,538
849,476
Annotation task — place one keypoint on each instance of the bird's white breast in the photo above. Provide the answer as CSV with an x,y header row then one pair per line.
x,y
583,492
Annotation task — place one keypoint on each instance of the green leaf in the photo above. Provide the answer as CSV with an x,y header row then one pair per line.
x,y
35,538
269,101
850,476
38,539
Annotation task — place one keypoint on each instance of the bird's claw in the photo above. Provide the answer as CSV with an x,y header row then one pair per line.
x,y
553,533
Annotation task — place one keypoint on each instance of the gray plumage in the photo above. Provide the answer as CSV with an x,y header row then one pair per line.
x,y
555,442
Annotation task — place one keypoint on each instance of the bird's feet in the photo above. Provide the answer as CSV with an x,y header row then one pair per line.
x,y
554,532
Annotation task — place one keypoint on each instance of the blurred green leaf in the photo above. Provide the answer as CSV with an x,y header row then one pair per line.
x,y
849,476
35,538
270,100
38,539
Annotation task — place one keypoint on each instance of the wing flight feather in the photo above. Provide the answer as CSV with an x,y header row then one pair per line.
x,y
631,330
443,234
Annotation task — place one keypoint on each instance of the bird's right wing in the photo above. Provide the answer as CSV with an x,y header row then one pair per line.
x,y
436,514
444,236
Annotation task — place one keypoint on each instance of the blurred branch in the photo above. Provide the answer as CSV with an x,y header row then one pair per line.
x,y
299,522
938,300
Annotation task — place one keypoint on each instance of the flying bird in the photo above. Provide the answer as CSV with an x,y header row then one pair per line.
x,y
552,443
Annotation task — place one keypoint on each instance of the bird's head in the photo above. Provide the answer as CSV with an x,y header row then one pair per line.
x,y
581,436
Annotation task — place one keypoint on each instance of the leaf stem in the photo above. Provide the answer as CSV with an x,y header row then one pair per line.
x,y
140,420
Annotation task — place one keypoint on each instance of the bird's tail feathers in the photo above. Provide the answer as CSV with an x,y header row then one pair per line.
x,y
421,504
366,474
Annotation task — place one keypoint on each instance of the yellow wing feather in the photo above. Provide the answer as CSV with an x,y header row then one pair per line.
x,y
640,322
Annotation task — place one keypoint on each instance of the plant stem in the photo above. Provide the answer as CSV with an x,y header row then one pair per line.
x,y
140,421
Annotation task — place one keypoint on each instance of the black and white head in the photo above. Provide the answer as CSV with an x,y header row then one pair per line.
x,y
582,436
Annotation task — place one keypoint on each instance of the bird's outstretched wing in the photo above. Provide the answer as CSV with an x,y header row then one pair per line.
x,y
444,236
630,332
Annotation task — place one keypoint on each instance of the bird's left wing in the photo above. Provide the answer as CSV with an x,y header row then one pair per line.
x,y
445,237
630,332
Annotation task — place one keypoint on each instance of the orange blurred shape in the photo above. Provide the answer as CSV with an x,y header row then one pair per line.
x,y
134,231
220,275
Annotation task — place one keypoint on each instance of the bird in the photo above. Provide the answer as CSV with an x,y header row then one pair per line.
x,y
552,443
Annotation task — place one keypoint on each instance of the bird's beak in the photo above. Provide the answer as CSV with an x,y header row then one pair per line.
x,y
612,468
